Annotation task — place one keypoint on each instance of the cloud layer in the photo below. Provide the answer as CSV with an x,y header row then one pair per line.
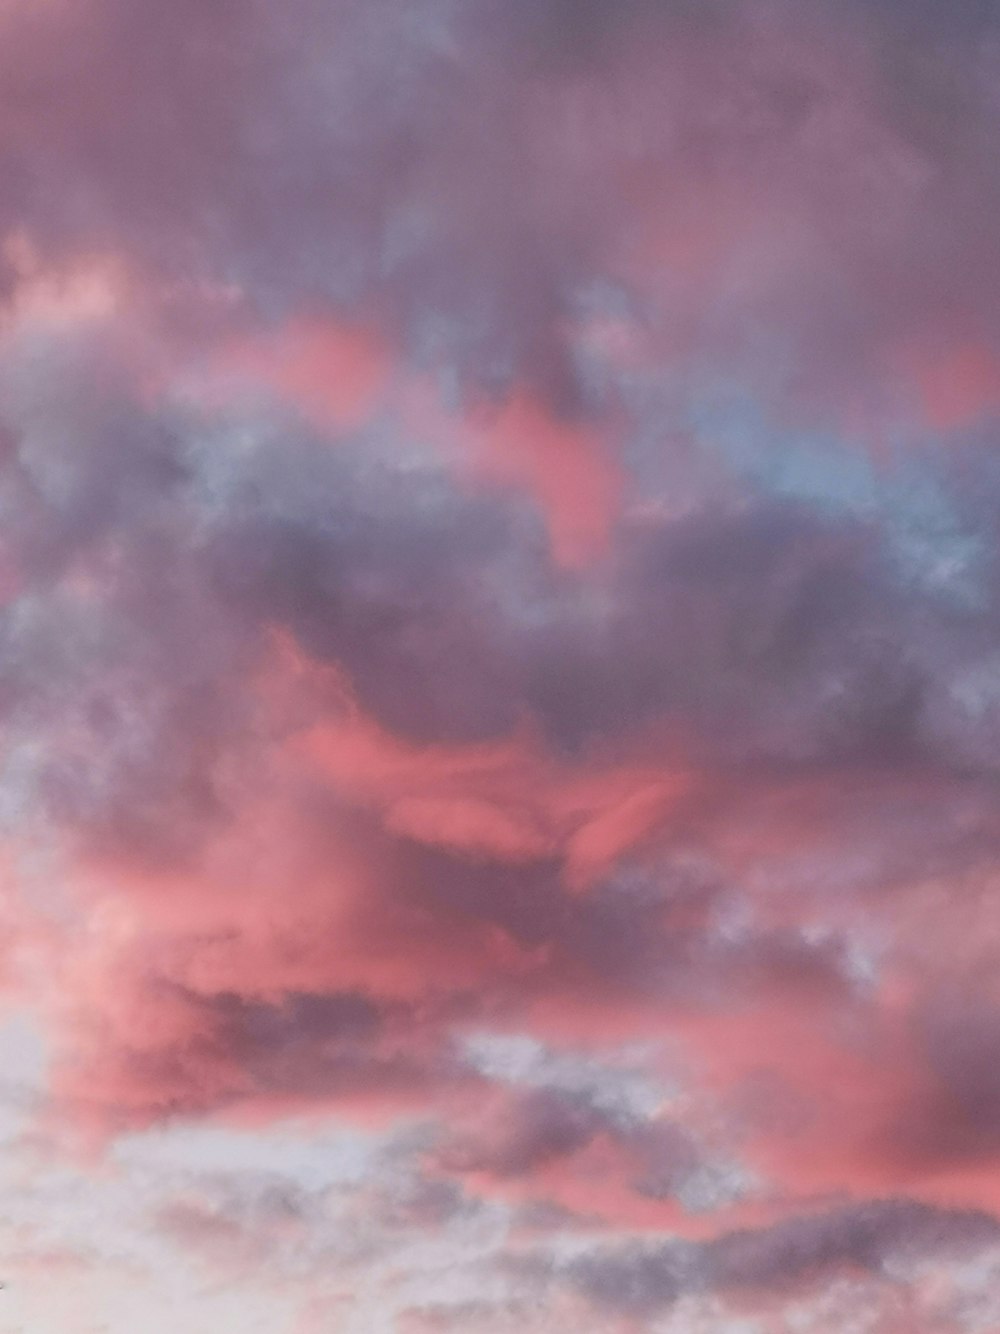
x,y
498,663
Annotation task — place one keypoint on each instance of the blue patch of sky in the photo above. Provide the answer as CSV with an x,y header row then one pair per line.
x,y
932,543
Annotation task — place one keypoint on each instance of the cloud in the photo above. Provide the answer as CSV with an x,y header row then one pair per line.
x,y
498,636
799,1250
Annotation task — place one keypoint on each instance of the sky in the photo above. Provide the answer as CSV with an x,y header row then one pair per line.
x,y
499,666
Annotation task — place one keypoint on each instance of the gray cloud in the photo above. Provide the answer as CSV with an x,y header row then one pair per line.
x,y
644,1278
439,165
